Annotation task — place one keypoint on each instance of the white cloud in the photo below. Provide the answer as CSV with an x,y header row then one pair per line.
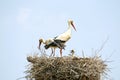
x,y
23,15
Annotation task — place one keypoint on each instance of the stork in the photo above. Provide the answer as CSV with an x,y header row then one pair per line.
x,y
53,45
64,37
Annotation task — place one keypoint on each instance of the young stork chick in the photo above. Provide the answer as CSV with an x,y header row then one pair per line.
x,y
50,43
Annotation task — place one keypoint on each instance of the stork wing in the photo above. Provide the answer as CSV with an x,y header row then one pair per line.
x,y
55,43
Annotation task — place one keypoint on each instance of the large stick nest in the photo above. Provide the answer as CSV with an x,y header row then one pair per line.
x,y
65,68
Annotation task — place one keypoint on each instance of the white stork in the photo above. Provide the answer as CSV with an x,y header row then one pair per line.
x,y
60,40
50,43
64,37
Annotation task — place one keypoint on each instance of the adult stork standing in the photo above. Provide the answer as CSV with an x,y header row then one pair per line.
x,y
59,41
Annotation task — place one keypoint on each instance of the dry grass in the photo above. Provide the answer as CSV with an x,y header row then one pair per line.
x,y
65,68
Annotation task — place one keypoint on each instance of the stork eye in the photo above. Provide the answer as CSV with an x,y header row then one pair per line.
x,y
71,22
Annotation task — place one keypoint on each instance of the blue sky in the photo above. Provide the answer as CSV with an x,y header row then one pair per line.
x,y
23,22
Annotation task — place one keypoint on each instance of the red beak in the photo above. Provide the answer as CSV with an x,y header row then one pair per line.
x,y
73,26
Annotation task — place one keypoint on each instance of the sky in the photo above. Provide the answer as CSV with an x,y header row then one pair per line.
x,y
24,22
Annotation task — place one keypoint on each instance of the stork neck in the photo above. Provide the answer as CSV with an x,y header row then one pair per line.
x,y
70,26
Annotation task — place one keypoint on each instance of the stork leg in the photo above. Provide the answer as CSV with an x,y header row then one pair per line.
x,y
61,52
54,52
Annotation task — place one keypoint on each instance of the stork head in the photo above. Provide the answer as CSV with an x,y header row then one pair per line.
x,y
40,41
70,22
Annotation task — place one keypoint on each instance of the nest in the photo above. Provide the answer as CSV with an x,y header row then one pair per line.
x,y
65,68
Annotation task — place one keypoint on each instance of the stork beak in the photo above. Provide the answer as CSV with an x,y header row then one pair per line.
x,y
39,44
73,26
